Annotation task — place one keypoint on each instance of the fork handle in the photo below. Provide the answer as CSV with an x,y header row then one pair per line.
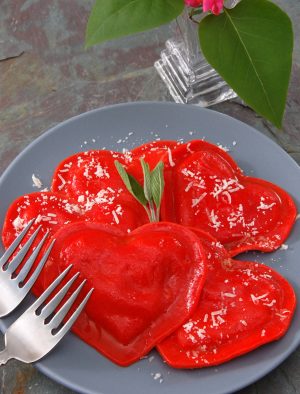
x,y
4,356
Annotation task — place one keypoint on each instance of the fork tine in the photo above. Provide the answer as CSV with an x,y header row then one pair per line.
x,y
49,290
73,318
14,264
15,244
50,307
60,315
38,269
27,266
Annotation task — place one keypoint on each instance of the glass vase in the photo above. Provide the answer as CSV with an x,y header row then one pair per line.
x,y
185,71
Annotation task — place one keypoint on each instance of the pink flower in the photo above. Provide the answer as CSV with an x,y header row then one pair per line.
x,y
215,6
193,3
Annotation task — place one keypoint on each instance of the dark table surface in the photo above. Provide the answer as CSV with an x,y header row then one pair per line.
x,y
46,76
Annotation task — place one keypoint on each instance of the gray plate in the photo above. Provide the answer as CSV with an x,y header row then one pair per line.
x,y
76,365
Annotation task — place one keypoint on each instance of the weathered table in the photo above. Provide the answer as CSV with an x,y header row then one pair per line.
x,y
46,76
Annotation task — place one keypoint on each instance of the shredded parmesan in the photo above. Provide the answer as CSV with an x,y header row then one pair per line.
x,y
36,181
195,201
201,333
101,172
188,327
230,295
216,315
284,247
256,299
215,223
264,206
115,217
172,164
18,224
63,182
189,186
270,304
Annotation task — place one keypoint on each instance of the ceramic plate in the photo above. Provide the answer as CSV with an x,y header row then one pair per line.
x,y
76,365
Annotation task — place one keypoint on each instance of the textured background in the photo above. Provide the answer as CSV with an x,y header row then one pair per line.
x,y
46,76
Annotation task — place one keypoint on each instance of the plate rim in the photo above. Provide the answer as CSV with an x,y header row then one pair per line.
x,y
52,129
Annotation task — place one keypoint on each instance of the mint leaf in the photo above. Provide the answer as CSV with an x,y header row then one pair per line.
x,y
131,184
112,19
147,180
251,46
157,185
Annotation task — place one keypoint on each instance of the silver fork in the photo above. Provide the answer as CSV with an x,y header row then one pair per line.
x,y
40,328
11,284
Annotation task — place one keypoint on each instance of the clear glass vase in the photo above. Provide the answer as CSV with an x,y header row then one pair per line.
x,y
185,71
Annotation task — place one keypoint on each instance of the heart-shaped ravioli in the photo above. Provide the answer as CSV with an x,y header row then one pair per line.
x,y
55,210
206,189
147,283
243,305
92,179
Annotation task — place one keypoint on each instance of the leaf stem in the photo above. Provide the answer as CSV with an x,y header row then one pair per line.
x,y
153,217
148,213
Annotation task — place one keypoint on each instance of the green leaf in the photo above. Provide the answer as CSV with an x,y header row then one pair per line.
x,y
147,180
131,184
112,19
251,47
157,184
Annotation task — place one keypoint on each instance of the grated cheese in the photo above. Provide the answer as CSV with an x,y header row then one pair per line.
x,y
216,315
63,182
201,333
101,172
215,223
264,206
189,186
284,247
195,201
36,181
256,299
157,375
18,224
270,304
188,327
115,217
224,148
230,295
172,164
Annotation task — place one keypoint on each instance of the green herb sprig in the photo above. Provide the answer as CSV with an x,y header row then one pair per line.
x,y
150,194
